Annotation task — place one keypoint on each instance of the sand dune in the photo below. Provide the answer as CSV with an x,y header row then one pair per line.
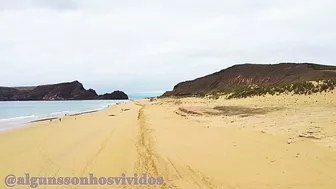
x,y
260,142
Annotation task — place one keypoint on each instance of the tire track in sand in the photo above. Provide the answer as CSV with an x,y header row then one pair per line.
x,y
156,165
147,161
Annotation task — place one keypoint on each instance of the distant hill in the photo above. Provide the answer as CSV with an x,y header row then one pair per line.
x,y
244,75
61,91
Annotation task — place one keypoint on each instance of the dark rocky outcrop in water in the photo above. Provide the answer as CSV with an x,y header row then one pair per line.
x,y
114,95
62,91
243,75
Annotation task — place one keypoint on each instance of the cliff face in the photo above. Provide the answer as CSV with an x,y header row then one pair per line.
x,y
62,91
253,74
114,95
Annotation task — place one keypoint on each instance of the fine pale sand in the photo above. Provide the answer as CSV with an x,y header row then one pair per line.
x,y
285,141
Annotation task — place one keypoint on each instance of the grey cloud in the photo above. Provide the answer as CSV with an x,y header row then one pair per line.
x,y
28,4
58,4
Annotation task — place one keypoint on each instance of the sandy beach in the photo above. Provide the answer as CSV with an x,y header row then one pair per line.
x,y
285,141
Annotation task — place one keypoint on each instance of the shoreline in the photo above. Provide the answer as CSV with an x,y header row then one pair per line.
x,y
70,115
44,119
25,121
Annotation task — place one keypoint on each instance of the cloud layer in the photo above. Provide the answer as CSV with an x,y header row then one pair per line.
x,y
149,46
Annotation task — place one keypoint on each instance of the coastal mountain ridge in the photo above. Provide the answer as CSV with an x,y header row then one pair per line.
x,y
244,75
61,91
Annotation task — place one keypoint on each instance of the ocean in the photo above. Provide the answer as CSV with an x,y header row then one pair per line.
x,y
14,114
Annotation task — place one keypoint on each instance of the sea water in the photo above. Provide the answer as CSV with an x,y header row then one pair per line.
x,y
15,114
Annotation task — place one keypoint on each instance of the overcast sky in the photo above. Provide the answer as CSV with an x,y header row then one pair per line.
x,y
149,46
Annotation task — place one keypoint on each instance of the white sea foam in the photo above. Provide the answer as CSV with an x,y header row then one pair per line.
x,y
16,118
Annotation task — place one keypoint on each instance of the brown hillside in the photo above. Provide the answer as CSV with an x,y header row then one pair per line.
x,y
61,91
244,75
